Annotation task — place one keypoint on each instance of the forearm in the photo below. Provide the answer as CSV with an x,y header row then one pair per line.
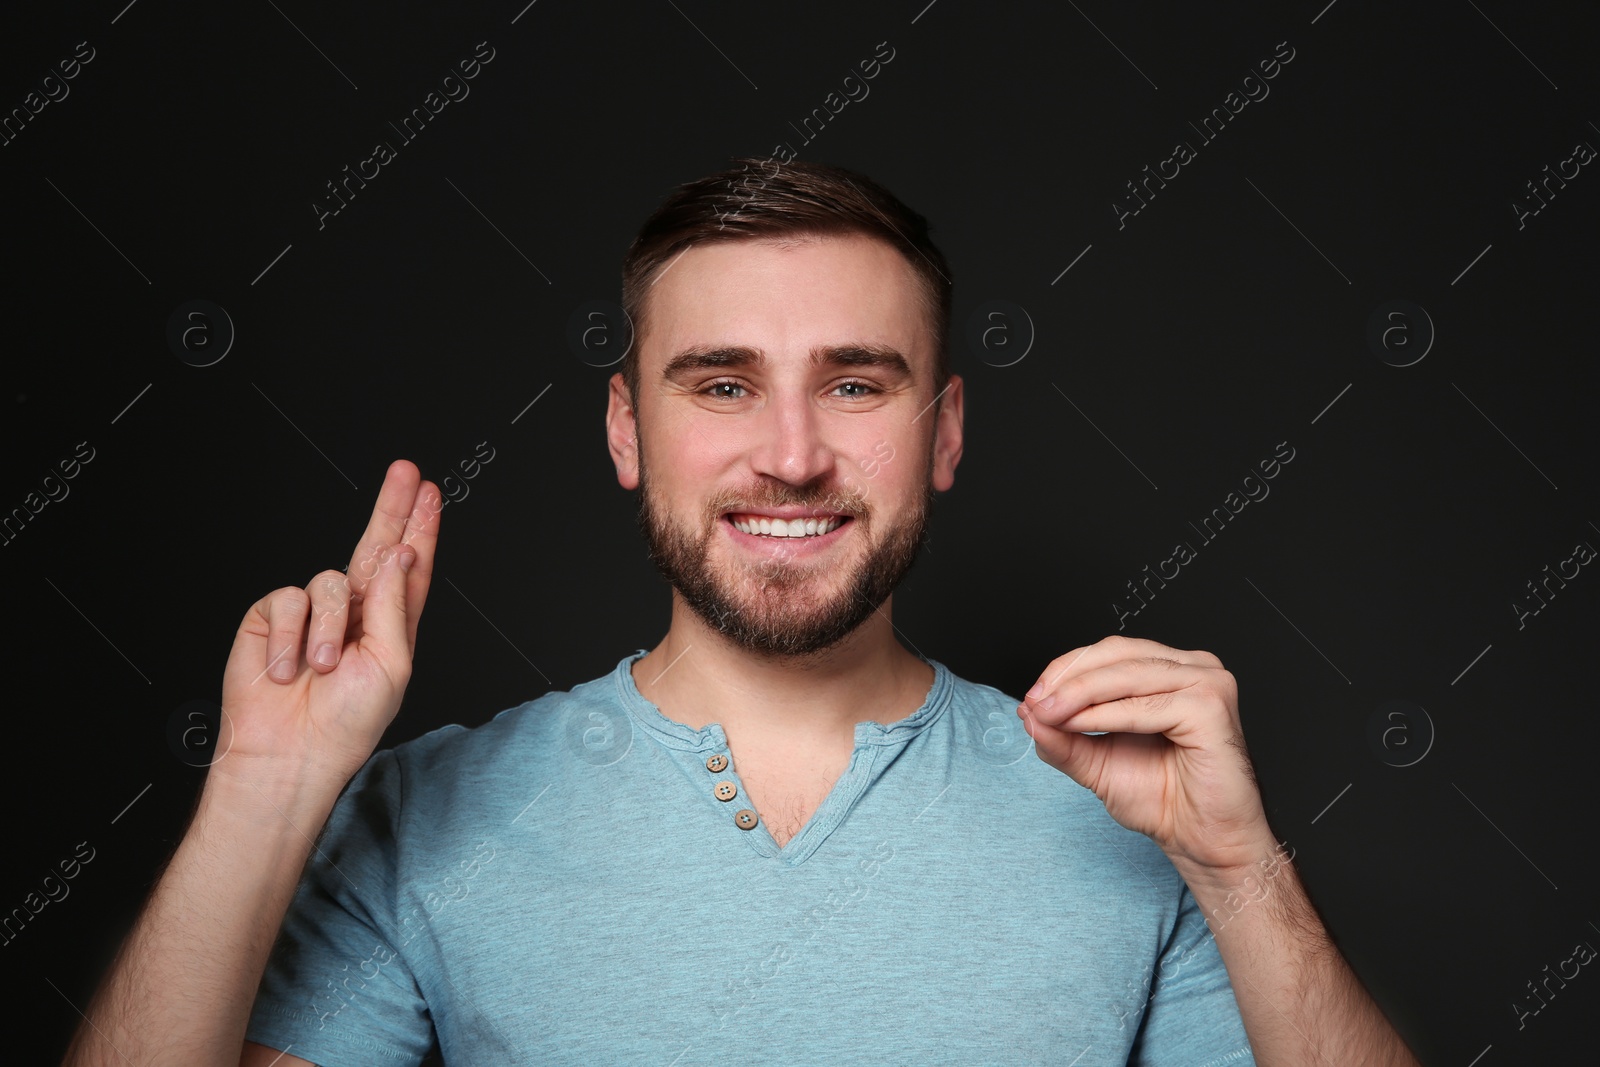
x,y
1300,1001
183,984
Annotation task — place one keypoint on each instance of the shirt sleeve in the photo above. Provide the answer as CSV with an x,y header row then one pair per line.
x,y
1191,1017
338,990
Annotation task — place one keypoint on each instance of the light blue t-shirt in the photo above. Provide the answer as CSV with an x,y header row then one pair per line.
x,y
565,884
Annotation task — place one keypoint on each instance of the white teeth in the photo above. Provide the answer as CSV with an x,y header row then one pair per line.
x,y
787,527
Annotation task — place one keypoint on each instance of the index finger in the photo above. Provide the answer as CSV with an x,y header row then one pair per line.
x,y
1105,651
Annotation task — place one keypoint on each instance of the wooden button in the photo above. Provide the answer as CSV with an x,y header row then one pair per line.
x,y
745,819
716,763
725,791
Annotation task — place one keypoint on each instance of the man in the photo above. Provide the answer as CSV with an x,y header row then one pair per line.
x,y
778,836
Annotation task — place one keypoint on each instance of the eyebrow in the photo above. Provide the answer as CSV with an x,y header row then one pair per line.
x,y
717,357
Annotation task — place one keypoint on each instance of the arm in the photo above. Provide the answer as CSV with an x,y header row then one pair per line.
x,y
183,983
1299,999
1154,732
294,730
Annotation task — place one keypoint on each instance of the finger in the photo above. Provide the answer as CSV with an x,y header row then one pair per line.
x,y
1107,650
285,610
383,619
1123,678
330,620
1080,758
388,522
1182,716
422,534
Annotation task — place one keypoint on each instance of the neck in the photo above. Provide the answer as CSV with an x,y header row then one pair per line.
x,y
696,676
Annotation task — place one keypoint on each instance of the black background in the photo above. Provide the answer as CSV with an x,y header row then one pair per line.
x,y
1229,315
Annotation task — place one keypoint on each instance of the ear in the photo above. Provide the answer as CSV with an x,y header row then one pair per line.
x,y
622,434
947,435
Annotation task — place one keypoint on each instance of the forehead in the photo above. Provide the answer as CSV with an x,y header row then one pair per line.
x,y
785,297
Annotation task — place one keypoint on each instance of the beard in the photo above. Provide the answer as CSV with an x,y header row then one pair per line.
x,y
782,606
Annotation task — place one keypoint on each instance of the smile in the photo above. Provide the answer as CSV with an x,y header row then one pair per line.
x,y
768,526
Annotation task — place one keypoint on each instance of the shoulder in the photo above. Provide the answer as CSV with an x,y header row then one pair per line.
x,y
515,732
1031,802
966,693
982,719
457,767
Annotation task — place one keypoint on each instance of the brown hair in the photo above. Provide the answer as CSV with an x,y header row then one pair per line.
x,y
763,198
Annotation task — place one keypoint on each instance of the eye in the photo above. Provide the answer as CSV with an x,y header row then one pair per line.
x,y
863,388
711,390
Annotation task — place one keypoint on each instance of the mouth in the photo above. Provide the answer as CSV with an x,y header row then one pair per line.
x,y
777,526
786,534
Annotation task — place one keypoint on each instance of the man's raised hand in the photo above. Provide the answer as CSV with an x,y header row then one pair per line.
x,y
316,674
1169,761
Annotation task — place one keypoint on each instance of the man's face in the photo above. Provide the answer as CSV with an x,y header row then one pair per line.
x,y
786,382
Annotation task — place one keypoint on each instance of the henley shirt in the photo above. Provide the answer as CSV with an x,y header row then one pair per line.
x,y
572,883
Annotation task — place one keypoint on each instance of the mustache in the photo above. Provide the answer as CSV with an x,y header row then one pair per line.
x,y
831,501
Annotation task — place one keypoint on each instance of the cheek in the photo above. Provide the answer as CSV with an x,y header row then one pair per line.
x,y
681,472
892,472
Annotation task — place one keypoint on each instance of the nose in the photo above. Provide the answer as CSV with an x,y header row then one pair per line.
x,y
790,444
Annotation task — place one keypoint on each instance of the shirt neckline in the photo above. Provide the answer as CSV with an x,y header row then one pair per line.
x,y
678,735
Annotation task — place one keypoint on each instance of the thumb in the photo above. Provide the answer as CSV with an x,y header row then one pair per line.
x,y
383,610
1076,755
